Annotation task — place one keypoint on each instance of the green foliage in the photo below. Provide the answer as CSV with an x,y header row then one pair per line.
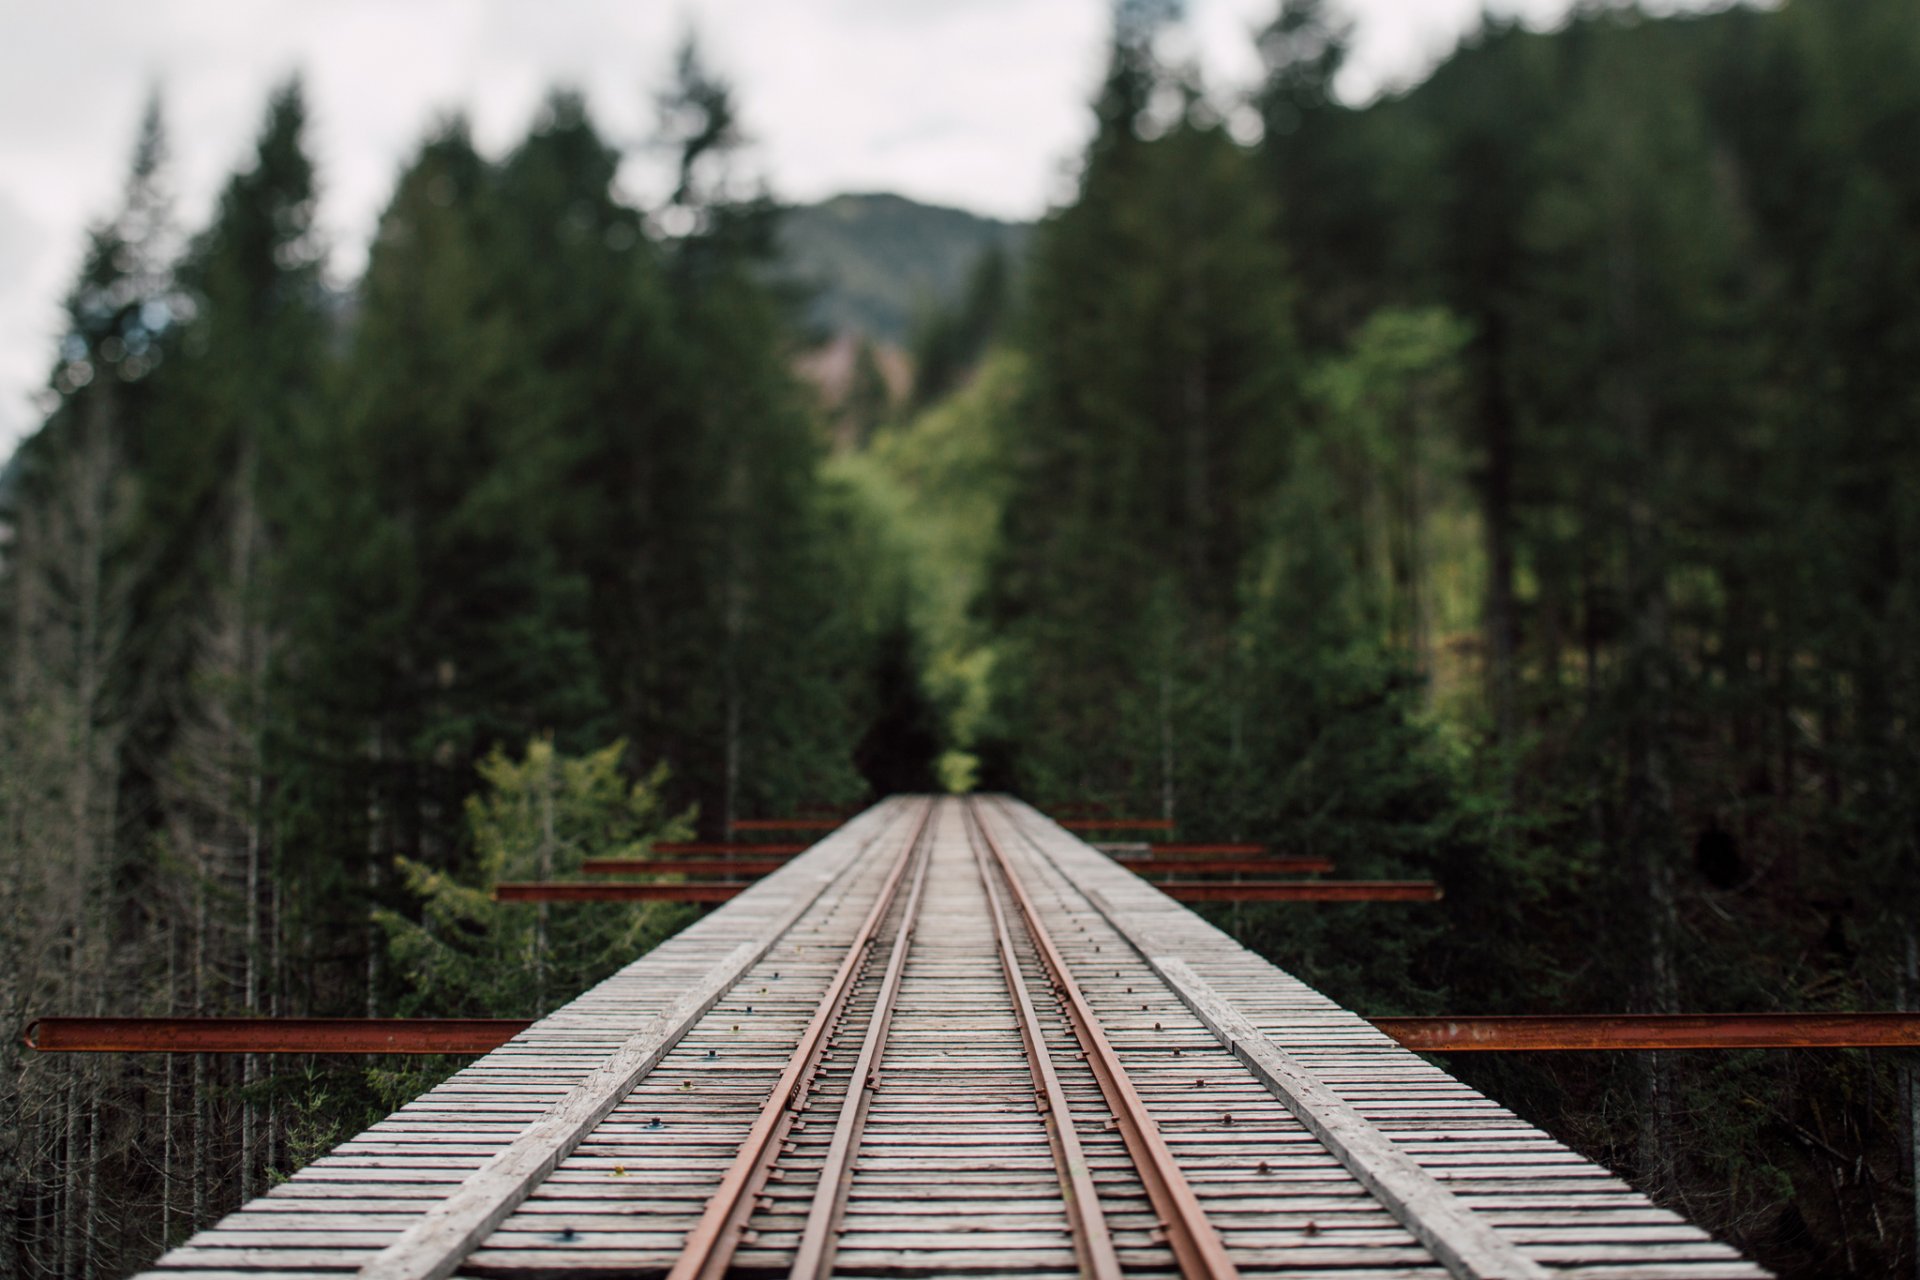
x,y
315,1123
1164,378
949,342
545,480
539,816
1387,467
933,491
1694,560
1512,480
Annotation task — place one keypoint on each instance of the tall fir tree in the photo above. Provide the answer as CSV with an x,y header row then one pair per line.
x,y
252,370
1164,381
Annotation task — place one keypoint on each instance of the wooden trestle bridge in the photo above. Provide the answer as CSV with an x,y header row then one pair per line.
x,y
951,1039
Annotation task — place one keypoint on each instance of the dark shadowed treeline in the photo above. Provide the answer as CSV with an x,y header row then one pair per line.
x,y
320,610
1515,481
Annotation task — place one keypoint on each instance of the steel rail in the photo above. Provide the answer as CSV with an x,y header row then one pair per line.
x,y
681,866
271,1035
710,1245
1225,866
1092,1241
1231,848
1196,1245
440,1239
1600,1031
618,891
770,849
1300,890
1516,1033
818,1239
787,824
1117,824
1463,1240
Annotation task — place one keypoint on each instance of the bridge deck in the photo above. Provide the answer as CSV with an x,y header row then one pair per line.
x,y
1308,1143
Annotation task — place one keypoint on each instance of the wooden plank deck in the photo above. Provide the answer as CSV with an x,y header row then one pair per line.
x,y
592,1142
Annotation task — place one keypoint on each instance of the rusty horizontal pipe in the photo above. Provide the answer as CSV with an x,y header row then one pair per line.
x,y
679,866
1227,848
1117,824
1656,1031
787,824
1300,890
592,891
705,847
1225,866
271,1035
1172,851
1504,1034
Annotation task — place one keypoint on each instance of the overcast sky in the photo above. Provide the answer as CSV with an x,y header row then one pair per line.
x,y
976,103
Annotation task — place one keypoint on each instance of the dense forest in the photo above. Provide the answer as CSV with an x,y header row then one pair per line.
x,y
1513,480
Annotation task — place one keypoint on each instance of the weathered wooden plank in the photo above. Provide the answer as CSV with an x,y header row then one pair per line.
x,y
953,1173
1422,1109
435,1245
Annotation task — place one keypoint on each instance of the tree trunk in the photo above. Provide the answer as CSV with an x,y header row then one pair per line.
x,y
245,573
197,1164
1166,735
276,1001
166,1105
1910,1081
376,848
1497,495
1648,822
543,871
70,1179
95,1228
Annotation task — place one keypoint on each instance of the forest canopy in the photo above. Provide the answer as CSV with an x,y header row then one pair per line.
x,y
1513,481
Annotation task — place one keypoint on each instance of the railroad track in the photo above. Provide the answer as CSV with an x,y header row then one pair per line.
x,y
952,1040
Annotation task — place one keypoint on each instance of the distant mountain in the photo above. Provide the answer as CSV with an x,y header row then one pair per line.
x,y
877,261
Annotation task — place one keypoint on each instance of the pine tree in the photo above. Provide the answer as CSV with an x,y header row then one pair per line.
x,y
251,373
948,345
1164,383
782,714
66,708
537,818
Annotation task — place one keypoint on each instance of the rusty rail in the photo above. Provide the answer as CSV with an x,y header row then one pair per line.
x,y
682,866
710,1245
1571,1032
1226,866
813,1256
1196,1245
786,824
1542,1033
1222,848
1092,1241
712,847
589,891
1300,890
271,1035
1117,824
